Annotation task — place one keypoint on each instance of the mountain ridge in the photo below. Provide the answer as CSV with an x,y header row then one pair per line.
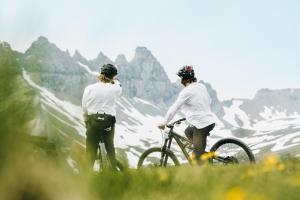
x,y
143,77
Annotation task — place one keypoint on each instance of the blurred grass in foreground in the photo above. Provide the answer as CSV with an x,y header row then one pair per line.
x,y
42,178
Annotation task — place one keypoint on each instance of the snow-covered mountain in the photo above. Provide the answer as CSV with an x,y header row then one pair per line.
x,y
270,121
58,71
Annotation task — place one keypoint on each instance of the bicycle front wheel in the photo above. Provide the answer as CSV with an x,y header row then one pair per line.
x,y
231,151
155,157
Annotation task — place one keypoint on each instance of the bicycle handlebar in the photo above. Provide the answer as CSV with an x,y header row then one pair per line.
x,y
176,122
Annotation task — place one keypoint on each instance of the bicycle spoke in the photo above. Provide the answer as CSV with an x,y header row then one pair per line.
x,y
230,153
153,158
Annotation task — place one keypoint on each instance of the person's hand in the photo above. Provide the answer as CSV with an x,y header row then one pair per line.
x,y
161,126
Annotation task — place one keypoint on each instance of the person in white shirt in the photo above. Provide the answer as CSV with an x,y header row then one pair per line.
x,y
194,101
99,108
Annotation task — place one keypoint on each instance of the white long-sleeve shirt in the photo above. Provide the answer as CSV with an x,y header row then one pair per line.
x,y
194,101
101,98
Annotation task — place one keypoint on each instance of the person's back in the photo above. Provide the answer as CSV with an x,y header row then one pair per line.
x,y
194,102
99,107
101,98
197,109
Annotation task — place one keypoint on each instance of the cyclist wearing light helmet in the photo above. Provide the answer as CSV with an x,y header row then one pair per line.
x,y
194,101
99,107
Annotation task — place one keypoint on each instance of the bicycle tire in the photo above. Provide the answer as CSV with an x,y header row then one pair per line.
x,y
104,162
146,154
237,142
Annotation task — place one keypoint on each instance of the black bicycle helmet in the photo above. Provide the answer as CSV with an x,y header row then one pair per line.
x,y
109,70
186,72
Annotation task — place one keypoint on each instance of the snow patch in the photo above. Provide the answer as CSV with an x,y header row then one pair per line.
x,y
145,102
72,112
235,111
272,113
88,69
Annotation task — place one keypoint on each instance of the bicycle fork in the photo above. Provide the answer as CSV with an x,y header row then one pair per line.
x,y
164,156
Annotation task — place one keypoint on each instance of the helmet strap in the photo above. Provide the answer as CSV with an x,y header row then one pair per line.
x,y
188,81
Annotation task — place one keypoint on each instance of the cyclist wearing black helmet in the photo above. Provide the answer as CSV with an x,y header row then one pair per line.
x,y
194,101
99,107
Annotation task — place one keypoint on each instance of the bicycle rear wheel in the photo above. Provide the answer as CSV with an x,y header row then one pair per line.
x,y
120,166
231,151
104,162
155,157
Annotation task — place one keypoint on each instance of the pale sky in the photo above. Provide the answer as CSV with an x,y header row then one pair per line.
x,y
237,46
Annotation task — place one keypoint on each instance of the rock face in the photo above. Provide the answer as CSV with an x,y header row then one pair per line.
x,y
285,101
216,105
79,58
142,77
56,70
96,63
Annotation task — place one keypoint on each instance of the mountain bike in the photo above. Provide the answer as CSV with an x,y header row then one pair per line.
x,y
223,152
103,160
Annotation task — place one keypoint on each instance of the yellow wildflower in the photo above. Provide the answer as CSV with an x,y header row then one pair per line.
x,y
281,167
272,162
249,173
163,176
235,193
208,155
193,159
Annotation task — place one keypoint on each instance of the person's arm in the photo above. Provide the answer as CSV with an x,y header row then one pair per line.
x,y
182,98
83,104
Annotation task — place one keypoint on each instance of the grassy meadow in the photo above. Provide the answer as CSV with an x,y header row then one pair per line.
x,y
39,177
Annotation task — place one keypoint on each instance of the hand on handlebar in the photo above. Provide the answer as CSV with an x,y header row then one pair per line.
x,y
162,126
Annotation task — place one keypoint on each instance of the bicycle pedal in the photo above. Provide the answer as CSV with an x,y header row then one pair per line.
x,y
108,129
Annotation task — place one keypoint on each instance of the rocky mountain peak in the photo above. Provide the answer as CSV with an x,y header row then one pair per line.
x,y
77,54
101,59
44,48
78,57
279,93
143,53
146,66
121,60
262,93
216,105
42,39
284,101
101,56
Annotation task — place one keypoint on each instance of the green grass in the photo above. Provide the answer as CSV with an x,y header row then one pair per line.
x,y
52,179
260,181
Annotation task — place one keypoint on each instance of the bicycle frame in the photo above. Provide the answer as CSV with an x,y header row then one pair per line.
x,y
178,138
167,146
